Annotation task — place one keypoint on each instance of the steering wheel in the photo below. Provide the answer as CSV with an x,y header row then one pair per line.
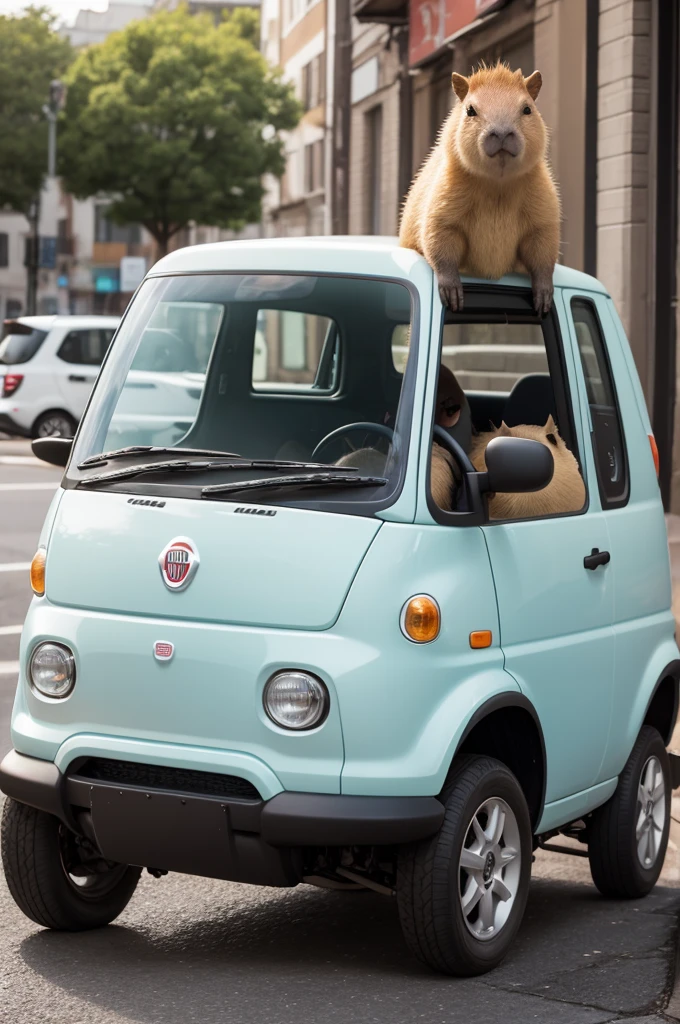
x,y
459,454
463,462
349,428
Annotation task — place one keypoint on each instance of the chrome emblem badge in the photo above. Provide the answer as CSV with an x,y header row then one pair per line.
x,y
163,651
178,563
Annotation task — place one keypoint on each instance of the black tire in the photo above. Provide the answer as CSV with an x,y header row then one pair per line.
x,y
51,419
612,842
430,879
35,849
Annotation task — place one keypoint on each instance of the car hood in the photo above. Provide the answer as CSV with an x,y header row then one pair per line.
x,y
290,569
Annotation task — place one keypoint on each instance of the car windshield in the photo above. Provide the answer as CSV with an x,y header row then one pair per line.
x,y
19,344
269,368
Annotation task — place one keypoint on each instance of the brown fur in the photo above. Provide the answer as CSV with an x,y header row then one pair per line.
x,y
487,215
368,460
441,477
566,491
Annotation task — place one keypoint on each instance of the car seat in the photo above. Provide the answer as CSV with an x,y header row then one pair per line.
x,y
531,400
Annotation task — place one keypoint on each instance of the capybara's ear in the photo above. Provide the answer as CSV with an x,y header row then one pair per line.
x,y
460,85
504,430
550,425
533,84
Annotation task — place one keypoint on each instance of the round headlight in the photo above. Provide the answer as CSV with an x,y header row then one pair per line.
x,y
296,700
52,670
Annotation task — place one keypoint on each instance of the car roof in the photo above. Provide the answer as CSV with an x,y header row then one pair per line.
x,y
46,323
370,255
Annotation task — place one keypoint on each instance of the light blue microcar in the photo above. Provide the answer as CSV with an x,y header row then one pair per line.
x,y
280,636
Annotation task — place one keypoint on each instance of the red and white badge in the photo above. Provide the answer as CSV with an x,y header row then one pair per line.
x,y
178,563
163,651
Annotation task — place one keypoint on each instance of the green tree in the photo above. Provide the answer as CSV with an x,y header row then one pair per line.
x,y
176,120
32,55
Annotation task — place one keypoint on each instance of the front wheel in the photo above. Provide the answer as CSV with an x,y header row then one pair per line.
x,y
628,836
57,878
462,893
54,424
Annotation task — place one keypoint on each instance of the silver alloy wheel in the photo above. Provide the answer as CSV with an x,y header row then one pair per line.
x,y
489,868
651,812
55,426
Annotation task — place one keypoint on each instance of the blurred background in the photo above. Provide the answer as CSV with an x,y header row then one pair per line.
x,y
139,126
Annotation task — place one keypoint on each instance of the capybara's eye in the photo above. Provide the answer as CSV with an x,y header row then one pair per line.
x,y
471,112
527,109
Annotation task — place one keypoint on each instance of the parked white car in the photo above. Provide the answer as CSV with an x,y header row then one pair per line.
x,y
48,365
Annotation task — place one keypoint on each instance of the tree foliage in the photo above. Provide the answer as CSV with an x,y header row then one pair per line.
x,y
176,119
32,54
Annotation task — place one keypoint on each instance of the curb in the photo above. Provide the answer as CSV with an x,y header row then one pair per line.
x,y
672,1008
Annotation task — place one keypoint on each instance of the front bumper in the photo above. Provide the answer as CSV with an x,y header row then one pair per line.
x,y
8,425
209,824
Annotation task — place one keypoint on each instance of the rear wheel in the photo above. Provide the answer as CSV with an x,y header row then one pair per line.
x,y
54,424
57,878
462,893
628,836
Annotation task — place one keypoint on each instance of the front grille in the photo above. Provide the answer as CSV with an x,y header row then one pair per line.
x,y
154,776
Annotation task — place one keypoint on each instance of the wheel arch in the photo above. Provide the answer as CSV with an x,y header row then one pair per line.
x,y
507,726
661,711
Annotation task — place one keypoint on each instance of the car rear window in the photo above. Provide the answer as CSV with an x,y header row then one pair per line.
x,y
19,344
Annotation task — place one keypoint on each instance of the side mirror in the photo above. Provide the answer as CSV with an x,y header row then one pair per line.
x,y
516,464
55,450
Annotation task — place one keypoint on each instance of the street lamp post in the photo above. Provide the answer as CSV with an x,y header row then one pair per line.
x,y
51,111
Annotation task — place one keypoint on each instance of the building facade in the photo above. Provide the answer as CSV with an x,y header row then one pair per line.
x,y
294,38
610,98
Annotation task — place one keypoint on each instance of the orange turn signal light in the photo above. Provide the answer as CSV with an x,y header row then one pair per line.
x,y
480,638
655,452
38,572
421,619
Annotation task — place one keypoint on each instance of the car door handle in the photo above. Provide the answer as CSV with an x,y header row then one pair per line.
x,y
76,378
595,558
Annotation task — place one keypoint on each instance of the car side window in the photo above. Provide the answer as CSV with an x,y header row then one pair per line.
x,y
609,446
502,374
69,350
85,347
294,352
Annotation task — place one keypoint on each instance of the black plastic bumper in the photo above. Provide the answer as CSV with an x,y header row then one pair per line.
x,y
9,426
241,839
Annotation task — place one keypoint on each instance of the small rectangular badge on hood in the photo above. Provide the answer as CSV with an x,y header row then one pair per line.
x,y
255,511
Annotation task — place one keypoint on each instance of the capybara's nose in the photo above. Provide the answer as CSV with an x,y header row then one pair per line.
x,y
498,140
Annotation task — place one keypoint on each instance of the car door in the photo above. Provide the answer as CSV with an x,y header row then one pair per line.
x,y
79,357
629,494
555,613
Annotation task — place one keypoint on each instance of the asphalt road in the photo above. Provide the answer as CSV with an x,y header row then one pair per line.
x,y
195,950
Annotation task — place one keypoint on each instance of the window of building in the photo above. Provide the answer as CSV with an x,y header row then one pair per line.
x,y
4,249
314,166
64,241
609,444
373,136
313,86
106,231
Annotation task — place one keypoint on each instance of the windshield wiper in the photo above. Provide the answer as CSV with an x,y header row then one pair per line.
x,y
308,480
138,449
200,466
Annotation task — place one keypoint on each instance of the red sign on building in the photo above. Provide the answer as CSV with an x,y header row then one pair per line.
x,y
433,21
